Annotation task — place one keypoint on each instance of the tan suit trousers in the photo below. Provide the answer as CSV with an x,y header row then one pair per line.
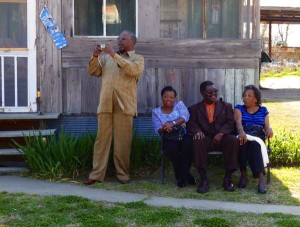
x,y
119,125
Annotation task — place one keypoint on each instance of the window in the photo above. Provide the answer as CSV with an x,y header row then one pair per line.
x,y
104,17
13,26
199,19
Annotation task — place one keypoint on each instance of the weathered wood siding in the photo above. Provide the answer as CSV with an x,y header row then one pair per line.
x,y
67,88
184,64
49,70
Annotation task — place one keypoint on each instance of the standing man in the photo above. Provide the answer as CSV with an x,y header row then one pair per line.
x,y
120,72
211,125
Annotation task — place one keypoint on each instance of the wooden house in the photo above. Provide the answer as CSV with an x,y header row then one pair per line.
x,y
184,42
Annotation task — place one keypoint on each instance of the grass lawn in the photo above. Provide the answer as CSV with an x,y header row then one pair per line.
x,y
284,115
25,210
285,182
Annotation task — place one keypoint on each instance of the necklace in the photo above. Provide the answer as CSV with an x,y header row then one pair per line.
x,y
253,110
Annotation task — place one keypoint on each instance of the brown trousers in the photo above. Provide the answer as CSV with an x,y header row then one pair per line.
x,y
118,125
229,145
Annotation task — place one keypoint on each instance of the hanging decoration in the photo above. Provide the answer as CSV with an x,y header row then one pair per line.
x,y
52,28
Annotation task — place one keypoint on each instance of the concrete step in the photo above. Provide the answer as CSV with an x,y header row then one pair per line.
x,y
10,152
29,116
22,133
13,170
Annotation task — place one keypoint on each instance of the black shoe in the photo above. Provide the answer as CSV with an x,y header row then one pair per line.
x,y
242,183
228,185
191,180
243,180
261,190
203,186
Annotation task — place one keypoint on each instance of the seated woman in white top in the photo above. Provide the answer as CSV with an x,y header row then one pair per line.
x,y
178,151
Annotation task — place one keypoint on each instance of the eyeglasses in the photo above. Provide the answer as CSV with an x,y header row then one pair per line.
x,y
122,38
211,92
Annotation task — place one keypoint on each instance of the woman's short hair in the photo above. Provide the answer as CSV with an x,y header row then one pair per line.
x,y
168,88
256,92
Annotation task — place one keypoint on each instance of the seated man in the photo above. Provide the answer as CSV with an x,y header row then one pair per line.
x,y
211,124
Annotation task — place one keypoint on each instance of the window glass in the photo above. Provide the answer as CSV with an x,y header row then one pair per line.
x,y
104,17
182,19
22,81
9,81
13,26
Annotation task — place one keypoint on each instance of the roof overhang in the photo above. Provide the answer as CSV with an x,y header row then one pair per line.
x,y
280,15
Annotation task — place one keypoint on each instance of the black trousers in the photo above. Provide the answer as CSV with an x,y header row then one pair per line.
x,y
251,153
181,155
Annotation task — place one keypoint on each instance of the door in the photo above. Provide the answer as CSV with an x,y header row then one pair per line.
x,y
18,83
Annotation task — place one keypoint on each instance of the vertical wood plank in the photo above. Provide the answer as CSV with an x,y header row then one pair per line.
x,y
182,16
239,85
148,94
149,18
229,86
67,18
73,82
90,91
49,62
194,86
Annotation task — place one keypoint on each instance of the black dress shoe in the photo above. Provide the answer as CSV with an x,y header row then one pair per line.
x,y
242,183
203,186
90,182
228,185
191,180
261,190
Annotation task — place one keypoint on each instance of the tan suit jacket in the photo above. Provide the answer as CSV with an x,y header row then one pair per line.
x,y
120,75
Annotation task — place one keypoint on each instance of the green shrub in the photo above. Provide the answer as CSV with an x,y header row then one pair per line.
x,y
285,149
145,153
49,157
71,156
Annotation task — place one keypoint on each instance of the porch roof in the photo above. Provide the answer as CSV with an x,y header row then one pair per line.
x,y
280,15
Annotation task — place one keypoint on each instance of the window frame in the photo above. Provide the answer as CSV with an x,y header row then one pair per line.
x,y
104,24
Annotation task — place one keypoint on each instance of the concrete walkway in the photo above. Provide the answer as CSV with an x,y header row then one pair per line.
x,y
16,184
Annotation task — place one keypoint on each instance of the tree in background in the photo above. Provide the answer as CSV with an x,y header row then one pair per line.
x,y
264,37
283,32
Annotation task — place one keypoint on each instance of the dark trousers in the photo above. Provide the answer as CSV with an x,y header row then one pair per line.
x,y
251,153
181,155
229,146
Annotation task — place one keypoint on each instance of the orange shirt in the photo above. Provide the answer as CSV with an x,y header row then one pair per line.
x,y
210,108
